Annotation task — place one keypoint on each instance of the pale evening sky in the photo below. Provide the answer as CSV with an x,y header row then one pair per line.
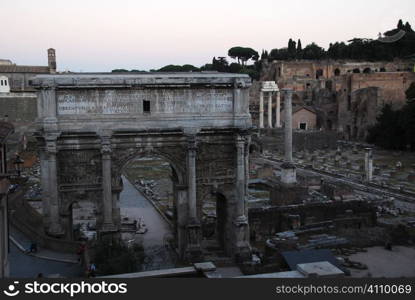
x,y
101,35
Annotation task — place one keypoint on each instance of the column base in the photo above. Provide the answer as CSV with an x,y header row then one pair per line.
x,y
242,248
193,248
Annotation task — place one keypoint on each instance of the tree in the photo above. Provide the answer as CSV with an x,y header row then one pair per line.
x,y
299,47
243,54
220,64
400,24
313,51
408,27
292,48
389,131
178,68
264,54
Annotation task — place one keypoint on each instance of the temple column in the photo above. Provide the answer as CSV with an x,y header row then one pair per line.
x,y
278,111
261,109
108,224
270,109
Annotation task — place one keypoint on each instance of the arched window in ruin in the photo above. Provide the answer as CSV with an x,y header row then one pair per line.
x,y
356,70
337,72
382,69
319,73
367,71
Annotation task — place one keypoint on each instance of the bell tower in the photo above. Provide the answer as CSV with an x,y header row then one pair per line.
x,y
52,60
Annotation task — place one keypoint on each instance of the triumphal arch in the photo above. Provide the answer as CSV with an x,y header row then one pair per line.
x,y
91,125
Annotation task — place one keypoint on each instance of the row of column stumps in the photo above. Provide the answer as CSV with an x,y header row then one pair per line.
x,y
269,87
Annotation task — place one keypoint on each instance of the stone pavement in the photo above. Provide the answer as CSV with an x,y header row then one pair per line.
x,y
29,266
135,206
22,243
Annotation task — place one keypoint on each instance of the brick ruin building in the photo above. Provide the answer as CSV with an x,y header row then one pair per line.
x,y
346,95
17,96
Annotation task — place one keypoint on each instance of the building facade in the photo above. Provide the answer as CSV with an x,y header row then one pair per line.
x,y
346,96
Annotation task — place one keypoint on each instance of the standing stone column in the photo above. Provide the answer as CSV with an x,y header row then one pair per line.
x,y
240,177
261,109
288,170
108,224
193,228
368,164
55,228
337,157
278,111
242,247
288,132
270,109
191,178
44,175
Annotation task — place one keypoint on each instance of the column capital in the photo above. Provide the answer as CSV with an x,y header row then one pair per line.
x,y
106,149
192,142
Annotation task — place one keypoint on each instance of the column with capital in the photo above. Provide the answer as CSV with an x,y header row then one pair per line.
x,y
108,224
278,111
288,169
288,132
270,109
193,228
242,248
54,227
261,109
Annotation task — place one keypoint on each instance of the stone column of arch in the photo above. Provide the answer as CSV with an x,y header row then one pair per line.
x,y
191,162
193,228
108,223
242,247
54,227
